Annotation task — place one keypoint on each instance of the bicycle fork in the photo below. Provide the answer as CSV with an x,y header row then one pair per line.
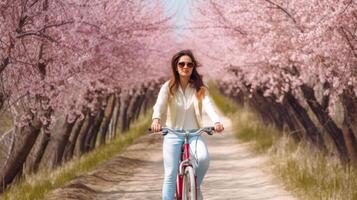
x,y
180,185
185,161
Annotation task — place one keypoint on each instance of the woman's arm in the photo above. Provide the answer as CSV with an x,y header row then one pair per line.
x,y
160,106
210,110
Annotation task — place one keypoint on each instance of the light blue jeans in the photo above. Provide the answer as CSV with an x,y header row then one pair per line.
x,y
171,153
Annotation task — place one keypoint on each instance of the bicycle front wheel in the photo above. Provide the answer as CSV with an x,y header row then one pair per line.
x,y
189,184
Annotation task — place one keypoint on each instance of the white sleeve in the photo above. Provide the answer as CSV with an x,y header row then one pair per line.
x,y
160,106
209,108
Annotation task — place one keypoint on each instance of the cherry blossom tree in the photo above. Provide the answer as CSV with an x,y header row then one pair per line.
x,y
67,68
289,55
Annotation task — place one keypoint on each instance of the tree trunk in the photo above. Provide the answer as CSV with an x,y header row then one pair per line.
x,y
80,142
108,113
276,111
350,141
296,130
145,105
349,102
124,102
2,97
313,133
139,105
260,103
69,149
58,144
116,116
131,108
34,162
239,98
25,139
148,96
61,142
91,136
327,123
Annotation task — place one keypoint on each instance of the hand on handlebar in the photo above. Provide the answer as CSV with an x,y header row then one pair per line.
x,y
218,127
155,125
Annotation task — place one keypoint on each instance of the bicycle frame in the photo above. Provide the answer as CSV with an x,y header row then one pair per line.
x,y
184,162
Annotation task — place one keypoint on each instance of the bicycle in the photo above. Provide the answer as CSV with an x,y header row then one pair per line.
x,y
186,182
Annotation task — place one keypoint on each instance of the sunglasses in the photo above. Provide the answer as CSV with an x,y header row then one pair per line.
x,y
182,64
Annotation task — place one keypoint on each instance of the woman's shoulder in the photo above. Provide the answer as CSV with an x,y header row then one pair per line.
x,y
166,84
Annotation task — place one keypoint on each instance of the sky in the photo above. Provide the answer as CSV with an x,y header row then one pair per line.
x,y
180,11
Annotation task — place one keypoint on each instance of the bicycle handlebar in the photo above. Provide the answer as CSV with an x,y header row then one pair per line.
x,y
165,130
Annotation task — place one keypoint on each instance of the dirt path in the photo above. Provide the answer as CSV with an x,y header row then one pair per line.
x,y
137,174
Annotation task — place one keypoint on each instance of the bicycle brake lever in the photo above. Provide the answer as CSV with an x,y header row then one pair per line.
x,y
209,130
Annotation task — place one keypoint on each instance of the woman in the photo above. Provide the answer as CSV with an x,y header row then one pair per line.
x,y
179,107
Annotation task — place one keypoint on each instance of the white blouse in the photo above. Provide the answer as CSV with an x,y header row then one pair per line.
x,y
187,110
183,111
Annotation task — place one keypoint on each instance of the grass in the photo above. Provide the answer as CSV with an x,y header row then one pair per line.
x,y
247,126
225,104
305,171
311,174
248,129
37,186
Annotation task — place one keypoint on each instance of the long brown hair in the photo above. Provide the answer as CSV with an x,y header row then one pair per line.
x,y
195,79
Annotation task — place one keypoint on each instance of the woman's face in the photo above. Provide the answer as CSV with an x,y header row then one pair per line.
x,y
185,66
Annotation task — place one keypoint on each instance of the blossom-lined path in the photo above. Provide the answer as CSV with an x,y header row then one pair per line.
x,y
137,173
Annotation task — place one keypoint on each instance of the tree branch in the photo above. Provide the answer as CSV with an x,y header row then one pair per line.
x,y
344,33
220,13
286,12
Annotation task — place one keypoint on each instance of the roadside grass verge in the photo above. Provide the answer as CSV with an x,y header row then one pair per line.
x,y
248,129
306,172
310,174
225,104
245,123
38,185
